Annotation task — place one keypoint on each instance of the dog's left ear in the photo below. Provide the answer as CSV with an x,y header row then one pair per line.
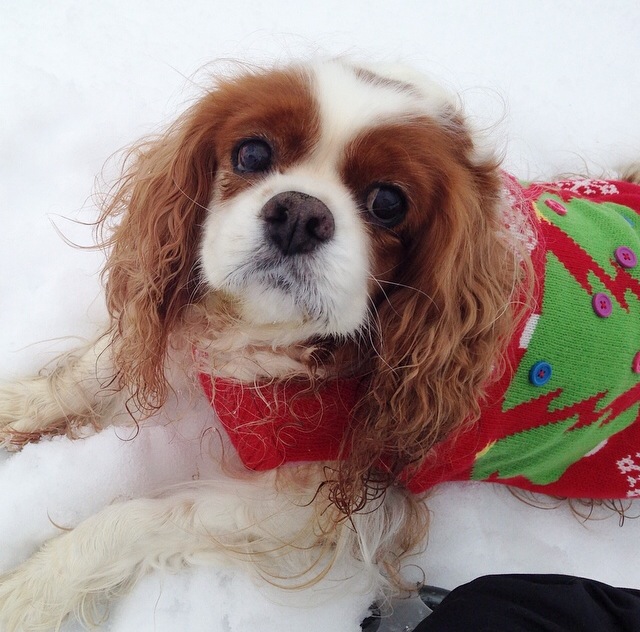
x,y
153,217
441,334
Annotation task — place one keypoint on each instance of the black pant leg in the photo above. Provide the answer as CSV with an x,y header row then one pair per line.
x,y
536,603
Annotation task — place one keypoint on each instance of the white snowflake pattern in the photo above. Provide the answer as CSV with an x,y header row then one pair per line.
x,y
628,466
588,186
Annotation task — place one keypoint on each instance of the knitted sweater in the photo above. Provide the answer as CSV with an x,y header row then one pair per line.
x,y
564,419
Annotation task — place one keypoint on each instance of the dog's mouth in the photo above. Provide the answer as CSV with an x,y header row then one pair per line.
x,y
275,288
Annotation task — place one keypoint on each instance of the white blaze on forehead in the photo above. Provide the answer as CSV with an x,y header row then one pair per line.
x,y
351,101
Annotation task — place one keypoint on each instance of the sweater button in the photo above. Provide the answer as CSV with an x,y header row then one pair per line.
x,y
556,207
626,257
635,367
602,305
540,373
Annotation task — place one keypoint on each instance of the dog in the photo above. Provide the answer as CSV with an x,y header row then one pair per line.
x,y
333,258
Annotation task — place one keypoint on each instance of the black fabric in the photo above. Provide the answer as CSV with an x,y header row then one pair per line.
x,y
536,603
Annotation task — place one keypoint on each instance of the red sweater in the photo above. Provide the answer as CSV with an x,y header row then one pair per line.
x,y
564,419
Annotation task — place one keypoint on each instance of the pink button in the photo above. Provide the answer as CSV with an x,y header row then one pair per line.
x,y
626,257
636,363
556,207
602,305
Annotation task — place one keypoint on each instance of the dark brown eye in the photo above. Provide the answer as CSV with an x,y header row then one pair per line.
x,y
387,205
252,156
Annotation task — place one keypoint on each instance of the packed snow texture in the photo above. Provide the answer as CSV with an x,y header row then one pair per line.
x,y
553,85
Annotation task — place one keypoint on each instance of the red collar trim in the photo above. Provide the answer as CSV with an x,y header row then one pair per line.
x,y
273,424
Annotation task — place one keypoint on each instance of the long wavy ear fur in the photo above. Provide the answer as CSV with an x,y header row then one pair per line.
x,y
441,333
151,220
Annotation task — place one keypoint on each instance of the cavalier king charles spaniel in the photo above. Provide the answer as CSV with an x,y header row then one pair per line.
x,y
327,254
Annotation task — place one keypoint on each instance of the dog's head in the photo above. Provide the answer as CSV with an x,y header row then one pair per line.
x,y
320,177
324,201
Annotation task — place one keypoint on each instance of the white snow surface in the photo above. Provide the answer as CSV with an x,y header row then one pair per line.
x,y
554,84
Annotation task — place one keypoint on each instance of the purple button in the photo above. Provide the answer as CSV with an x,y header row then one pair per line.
x,y
602,305
556,207
626,257
635,367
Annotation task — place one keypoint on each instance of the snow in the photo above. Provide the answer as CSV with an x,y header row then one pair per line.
x,y
552,83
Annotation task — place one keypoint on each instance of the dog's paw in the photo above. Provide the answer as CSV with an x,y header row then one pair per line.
x,y
26,603
39,595
14,436
29,412
17,423
14,440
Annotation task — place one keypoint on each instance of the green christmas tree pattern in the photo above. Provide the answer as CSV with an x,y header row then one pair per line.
x,y
591,395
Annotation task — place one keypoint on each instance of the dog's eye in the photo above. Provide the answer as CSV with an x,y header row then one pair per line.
x,y
387,205
253,155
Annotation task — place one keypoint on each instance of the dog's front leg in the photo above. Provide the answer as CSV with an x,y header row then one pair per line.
x,y
79,571
78,392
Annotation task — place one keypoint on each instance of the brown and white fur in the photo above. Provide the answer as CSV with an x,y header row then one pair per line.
x,y
414,291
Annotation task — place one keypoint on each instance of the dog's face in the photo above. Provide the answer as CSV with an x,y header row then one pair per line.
x,y
325,176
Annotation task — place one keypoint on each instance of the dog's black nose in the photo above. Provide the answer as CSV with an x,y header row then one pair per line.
x,y
297,222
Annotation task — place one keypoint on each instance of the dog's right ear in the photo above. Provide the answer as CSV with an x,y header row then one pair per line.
x,y
150,226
